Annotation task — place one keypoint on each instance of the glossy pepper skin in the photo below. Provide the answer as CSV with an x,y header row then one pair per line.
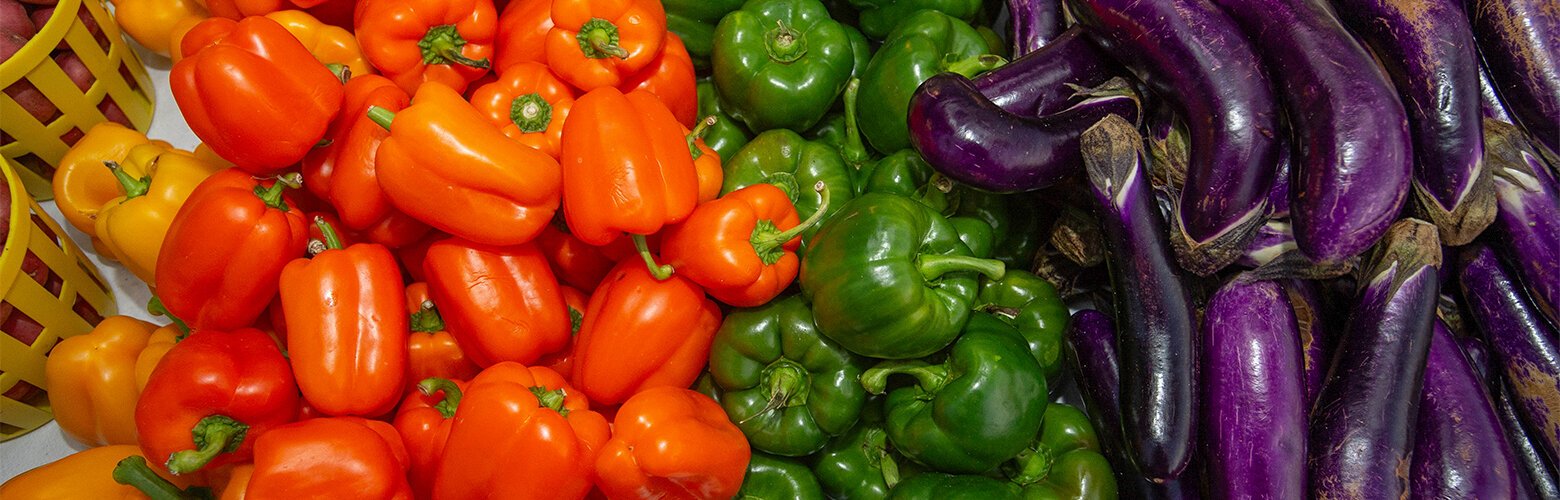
x,y
501,303
83,474
781,51
81,185
861,463
741,247
239,9
940,486
575,262
727,135
563,361
423,420
345,173
626,167
133,226
1064,461
155,24
219,264
521,433
977,409
529,104
1032,305
889,278
706,162
640,333
602,43
926,43
795,165
445,165
525,25
694,22
775,477
415,42
223,386
431,351
254,93
92,381
671,442
670,77
906,174
329,44
879,17
337,457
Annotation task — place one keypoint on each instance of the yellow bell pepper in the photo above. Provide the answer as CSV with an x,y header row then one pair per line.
x,y
329,44
158,25
132,226
85,474
82,185
95,379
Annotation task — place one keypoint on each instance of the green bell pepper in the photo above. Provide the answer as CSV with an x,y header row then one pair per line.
x,y
976,410
861,464
879,17
906,174
860,49
889,278
694,22
927,43
1064,461
788,388
1023,235
976,234
783,158
771,478
840,132
939,486
726,136
781,63
705,385
1032,305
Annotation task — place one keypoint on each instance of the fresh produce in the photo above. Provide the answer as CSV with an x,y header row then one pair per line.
x,y
672,441
329,44
83,474
907,174
1518,40
1528,226
1064,461
795,165
133,226
239,9
158,25
860,463
1042,83
524,27
1033,307
742,247
82,185
438,41
1035,24
1458,451
641,332
1316,342
670,78
423,421
694,23
431,350
500,303
330,457
1538,477
936,485
880,17
726,136
776,477
780,51
596,43
925,43
576,263
94,380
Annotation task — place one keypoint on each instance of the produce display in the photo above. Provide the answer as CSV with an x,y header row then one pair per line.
x,y
1041,249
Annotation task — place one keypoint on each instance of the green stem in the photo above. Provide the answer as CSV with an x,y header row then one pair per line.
x,y
133,471
272,196
1034,464
787,388
890,470
155,307
576,318
698,133
767,243
452,394
133,187
784,44
443,44
928,376
381,116
660,271
427,319
342,71
213,435
934,266
970,68
855,152
530,113
332,240
599,39
551,399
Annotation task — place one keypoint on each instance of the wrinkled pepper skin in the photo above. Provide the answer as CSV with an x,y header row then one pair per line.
x,y
529,104
626,167
793,164
1065,460
337,457
741,248
670,77
671,442
423,421
781,51
788,388
133,226
694,22
329,44
602,43
727,135
431,351
879,17
940,486
81,475
345,173
521,433
640,333
501,303
889,278
254,93
428,41
92,381
924,44
1032,305
775,477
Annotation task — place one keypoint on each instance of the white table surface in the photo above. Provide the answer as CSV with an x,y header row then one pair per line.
x,y
48,443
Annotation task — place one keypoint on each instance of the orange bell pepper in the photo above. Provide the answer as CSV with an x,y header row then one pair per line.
x,y
239,9
742,247
413,255
345,173
85,474
338,457
672,443
603,43
563,360
501,303
82,186
576,263
520,433
525,24
529,104
418,41
431,350
158,25
132,226
706,162
640,333
445,165
329,44
92,381
423,421
670,77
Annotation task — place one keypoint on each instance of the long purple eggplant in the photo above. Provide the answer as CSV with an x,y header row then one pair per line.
x,y
967,138
1459,448
1253,393
1535,467
1523,343
1153,310
1035,24
1043,82
1520,42
1427,47
1275,254
1528,227
1305,300
1489,100
1362,425
1193,55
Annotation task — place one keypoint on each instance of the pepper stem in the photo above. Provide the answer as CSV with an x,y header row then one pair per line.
x,y
530,113
576,318
155,307
785,45
443,44
767,243
934,266
133,471
427,319
1033,465
660,271
332,240
213,435
973,66
272,196
787,388
698,133
452,394
551,399
133,187
854,151
599,39
342,71
928,376
381,116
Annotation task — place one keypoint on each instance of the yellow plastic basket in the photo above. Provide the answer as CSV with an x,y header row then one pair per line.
x,y
117,73
51,291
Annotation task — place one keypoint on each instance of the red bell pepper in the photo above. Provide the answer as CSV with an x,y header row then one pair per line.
x,y
670,77
501,303
706,162
742,247
431,350
671,442
563,360
424,420
340,457
419,41
576,263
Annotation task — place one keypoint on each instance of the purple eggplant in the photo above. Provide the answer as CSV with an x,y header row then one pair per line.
x,y
1528,227
1459,448
1253,393
1278,196
1362,424
1533,465
1520,42
1523,343
1275,254
1193,55
967,138
1044,81
1036,23
1153,310
1489,100
1305,300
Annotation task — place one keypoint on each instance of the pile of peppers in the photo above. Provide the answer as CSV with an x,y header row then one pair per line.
x,y
556,249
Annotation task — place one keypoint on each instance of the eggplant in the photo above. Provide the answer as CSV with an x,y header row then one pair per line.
x,y
1253,393
1459,448
967,138
1523,343
1043,82
1533,465
1528,226
1305,300
1520,42
1362,424
1035,23
1153,309
1193,55
1489,100
1275,254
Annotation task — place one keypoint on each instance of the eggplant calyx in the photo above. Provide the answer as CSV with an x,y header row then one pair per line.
x,y
1409,247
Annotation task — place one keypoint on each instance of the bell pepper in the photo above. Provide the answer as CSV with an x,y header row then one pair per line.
x,y
413,42
926,43
158,25
670,77
525,24
254,93
529,104
81,184
563,361
976,235
671,442
641,332
940,486
162,340
741,248
786,386
133,226
347,335
842,132
92,381
906,174
239,9
1015,220
783,158
861,463
726,135
338,457
83,474
1032,305
694,22
775,477
781,51
889,278
1064,461
423,420
431,351
329,44
501,303
445,165
520,433
412,256
977,409
706,162
574,262
602,43
209,395
219,264
879,17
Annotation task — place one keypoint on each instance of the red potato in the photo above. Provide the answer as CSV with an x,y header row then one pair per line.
x,y
113,112
75,69
40,17
41,2
14,20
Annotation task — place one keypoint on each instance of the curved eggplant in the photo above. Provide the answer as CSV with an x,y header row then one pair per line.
x,y
1534,466
1520,42
1193,55
1459,449
1253,393
1489,100
1274,253
1528,226
1361,426
1035,24
1153,309
1045,81
1305,300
